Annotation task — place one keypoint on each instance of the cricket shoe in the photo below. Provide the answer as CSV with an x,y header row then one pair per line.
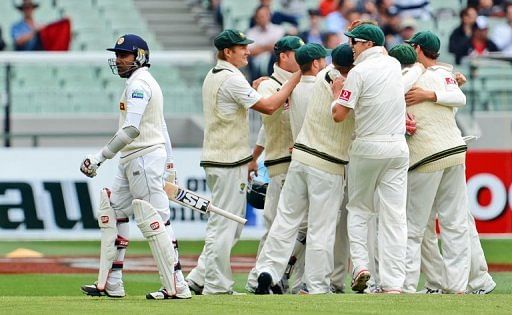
x,y
113,291
430,291
162,294
196,288
372,288
250,289
264,283
359,280
486,290
337,290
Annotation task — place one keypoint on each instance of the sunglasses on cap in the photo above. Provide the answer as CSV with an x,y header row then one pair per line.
x,y
354,40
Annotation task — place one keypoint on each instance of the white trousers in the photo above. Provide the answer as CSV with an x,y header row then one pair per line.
x,y
213,270
444,191
305,188
341,248
432,261
378,186
269,213
139,178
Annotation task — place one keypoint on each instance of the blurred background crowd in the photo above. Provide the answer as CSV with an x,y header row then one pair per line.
x,y
473,27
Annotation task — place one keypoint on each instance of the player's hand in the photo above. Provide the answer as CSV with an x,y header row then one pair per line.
x,y
89,165
460,78
410,124
256,83
337,86
170,174
252,170
417,95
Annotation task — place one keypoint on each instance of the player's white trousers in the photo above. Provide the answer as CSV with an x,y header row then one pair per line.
x,y
341,248
305,188
269,213
444,191
141,178
377,179
432,261
213,270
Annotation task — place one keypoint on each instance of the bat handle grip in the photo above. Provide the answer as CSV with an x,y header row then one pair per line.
x,y
226,214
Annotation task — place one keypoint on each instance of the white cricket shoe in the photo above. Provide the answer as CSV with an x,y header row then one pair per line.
x,y
485,290
115,290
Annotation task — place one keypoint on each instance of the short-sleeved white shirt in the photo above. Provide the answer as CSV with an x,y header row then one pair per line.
x,y
374,89
235,91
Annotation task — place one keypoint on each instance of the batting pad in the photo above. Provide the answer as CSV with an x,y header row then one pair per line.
x,y
108,226
152,227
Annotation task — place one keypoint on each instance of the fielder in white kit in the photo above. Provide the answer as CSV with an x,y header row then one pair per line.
x,y
379,158
226,98
436,180
146,158
313,186
278,139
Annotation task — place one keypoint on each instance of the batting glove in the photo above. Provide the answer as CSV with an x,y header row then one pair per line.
x,y
90,164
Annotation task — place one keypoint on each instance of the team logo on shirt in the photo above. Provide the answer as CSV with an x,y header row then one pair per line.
x,y
122,106
450,80
138,94
242,187
345,95
104,219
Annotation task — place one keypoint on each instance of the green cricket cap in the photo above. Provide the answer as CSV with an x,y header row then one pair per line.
x,y
343,55
404,53
229,38
426,40
368,32
288,43
309,52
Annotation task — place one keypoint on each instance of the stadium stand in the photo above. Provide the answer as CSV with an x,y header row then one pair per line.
x,y
55,88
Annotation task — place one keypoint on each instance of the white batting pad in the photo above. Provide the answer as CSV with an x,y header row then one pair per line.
x,y
153,229
107,223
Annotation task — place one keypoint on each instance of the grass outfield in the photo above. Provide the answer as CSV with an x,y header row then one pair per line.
x,y
59,294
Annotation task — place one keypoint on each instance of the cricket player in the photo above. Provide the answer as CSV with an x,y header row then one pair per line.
x,y
436,178
278,139
480,281
226,98
379,158
311,59
313,187
146,158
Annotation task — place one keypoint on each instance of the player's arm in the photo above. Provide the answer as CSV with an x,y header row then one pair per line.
x,y
170,171
268,105
410,78
137,98
348,97
451,95
256,153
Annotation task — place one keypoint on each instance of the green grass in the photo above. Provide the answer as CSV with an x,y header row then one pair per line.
x,y
86,248
59,294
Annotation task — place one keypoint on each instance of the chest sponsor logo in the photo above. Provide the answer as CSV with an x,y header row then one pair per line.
x,y
122,106
138,94
345,95
450,81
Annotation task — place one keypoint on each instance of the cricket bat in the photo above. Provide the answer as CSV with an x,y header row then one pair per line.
x,y
193,201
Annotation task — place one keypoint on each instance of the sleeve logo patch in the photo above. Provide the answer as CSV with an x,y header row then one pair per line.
x,y
138,94
122,106
450,81
345,95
